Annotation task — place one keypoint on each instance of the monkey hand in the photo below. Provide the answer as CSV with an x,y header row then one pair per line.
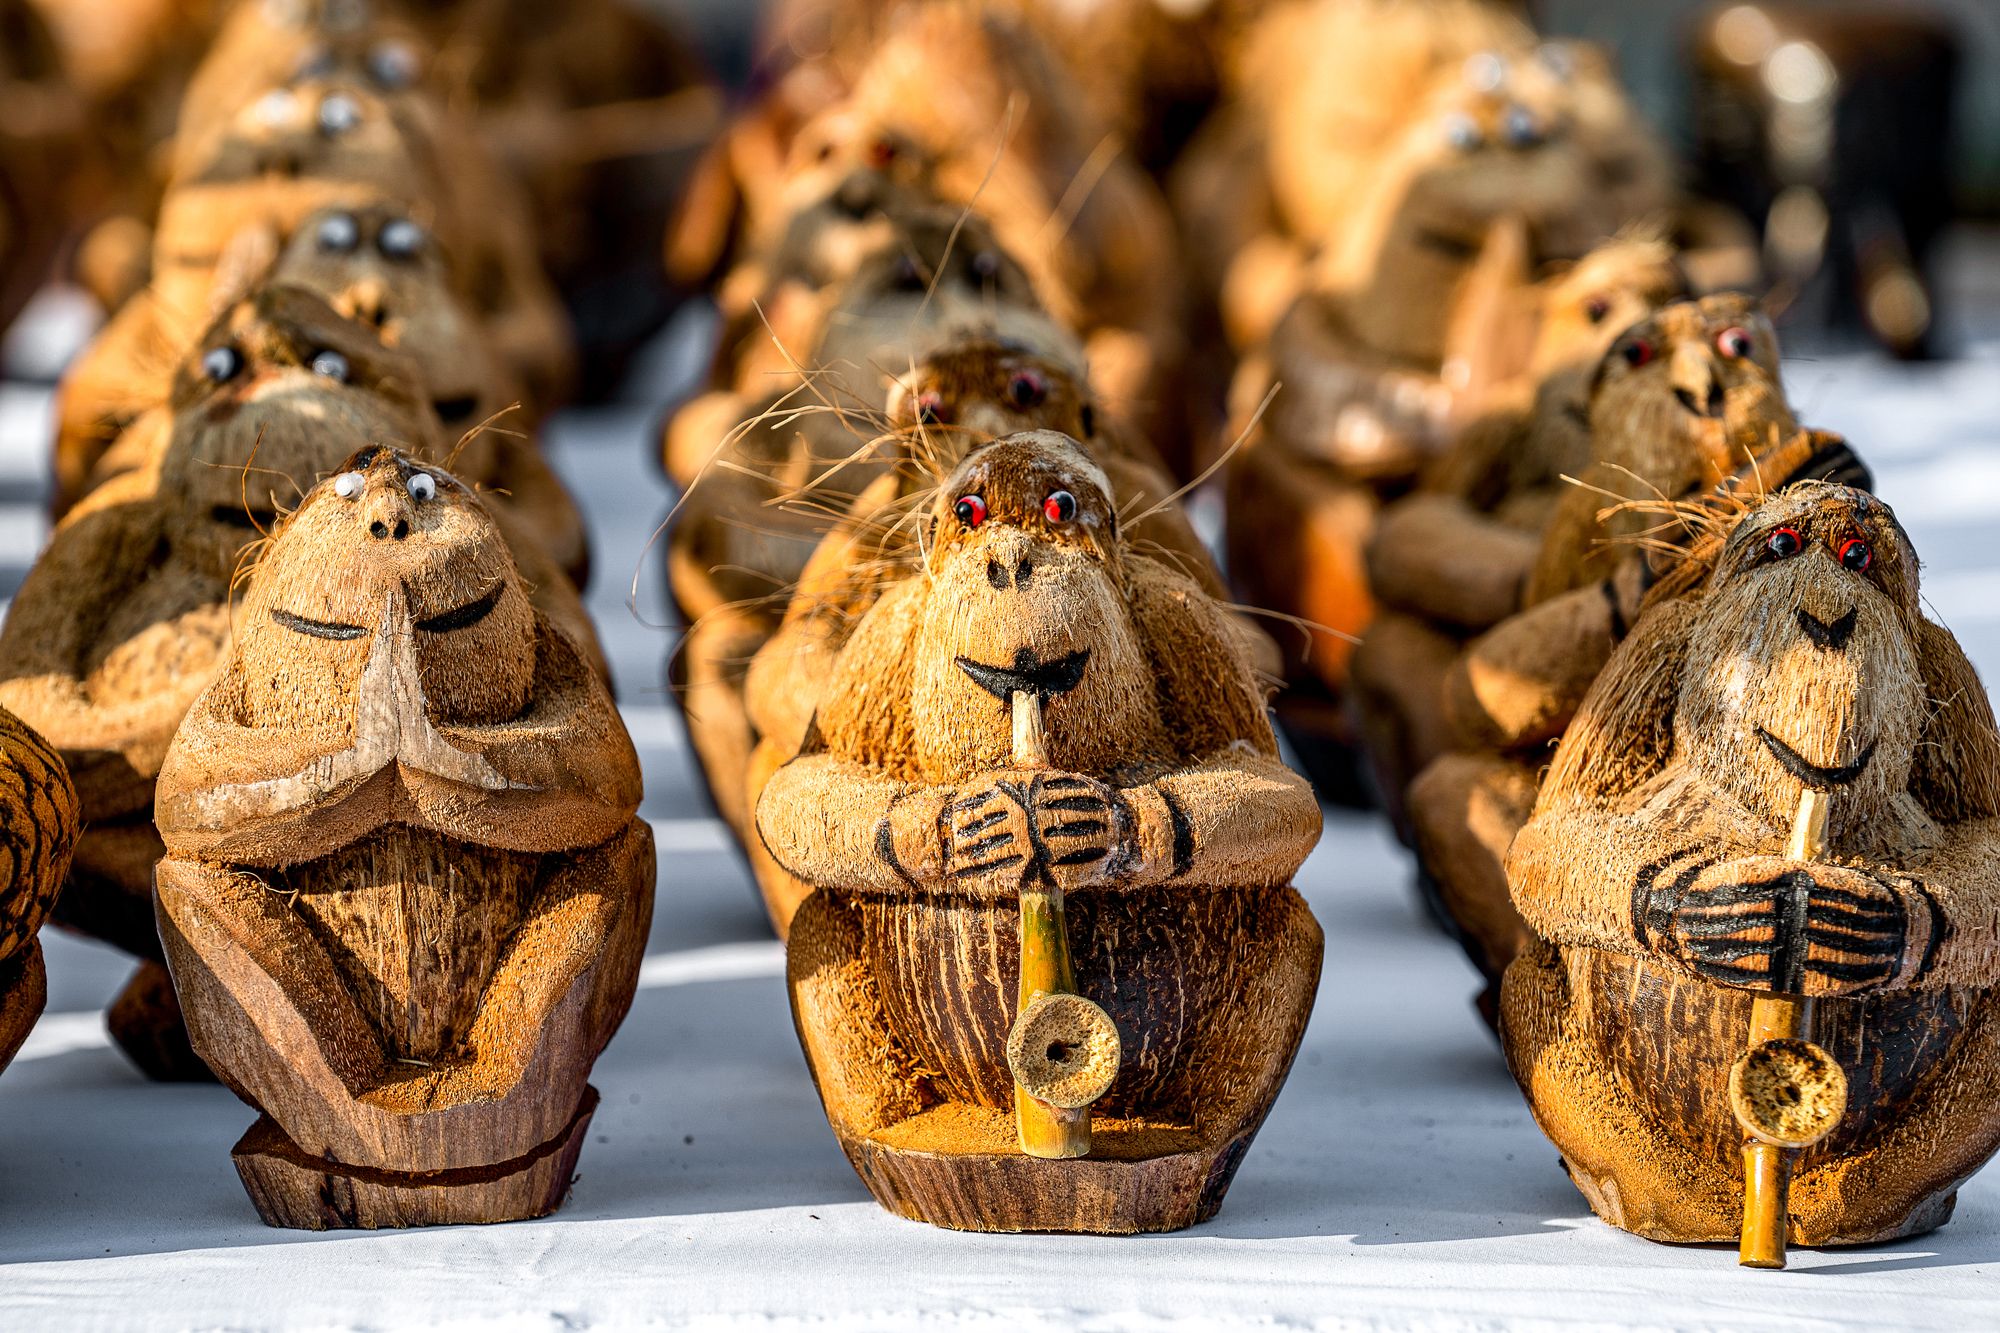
x,y
1769,923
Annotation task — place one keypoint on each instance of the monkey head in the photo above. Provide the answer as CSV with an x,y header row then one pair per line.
x,y
279,390
1802,662
388,545
1025,593
380,267
984,388
1683,393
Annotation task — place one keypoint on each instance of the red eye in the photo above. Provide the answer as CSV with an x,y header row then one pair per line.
x,y
1060,506
930,408
1027,390
1856,554
1733,343
881,153
1637,352
971,510
1595,309
1785,543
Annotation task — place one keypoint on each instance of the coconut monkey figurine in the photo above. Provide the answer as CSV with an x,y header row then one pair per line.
x,y
278,392
1053,974
406,892
1775,820
39,821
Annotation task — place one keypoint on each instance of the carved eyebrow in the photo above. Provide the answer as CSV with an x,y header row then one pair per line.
x,y
470,614
319,629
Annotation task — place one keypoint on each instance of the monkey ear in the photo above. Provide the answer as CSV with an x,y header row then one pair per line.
x,y
1955,775
1624,730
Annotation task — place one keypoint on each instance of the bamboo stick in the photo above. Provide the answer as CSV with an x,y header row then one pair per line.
x,y
1044,1130
1767,1166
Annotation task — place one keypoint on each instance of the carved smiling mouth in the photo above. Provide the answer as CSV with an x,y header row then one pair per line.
x,y
1814,775
1044,680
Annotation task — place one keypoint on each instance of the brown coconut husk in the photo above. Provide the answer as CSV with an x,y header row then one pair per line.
x,y
1165,709
42,821
403,818
162,546
1665,787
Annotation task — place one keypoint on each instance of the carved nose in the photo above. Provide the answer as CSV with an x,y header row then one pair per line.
x,y
387,515
1709,405
856,196
1834,636
1002,577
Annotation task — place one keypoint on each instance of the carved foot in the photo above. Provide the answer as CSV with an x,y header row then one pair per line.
x,y
291,1188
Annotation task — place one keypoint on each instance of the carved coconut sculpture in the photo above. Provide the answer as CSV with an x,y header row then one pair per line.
x,y
1052,975
406,894
952,404
1761,882
1687,404
39,821
277,393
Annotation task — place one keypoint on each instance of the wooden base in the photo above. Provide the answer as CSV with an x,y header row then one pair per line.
x,y
24,990
294,1189
1138,1177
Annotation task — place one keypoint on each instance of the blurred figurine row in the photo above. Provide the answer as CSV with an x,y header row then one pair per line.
x,y
1642,676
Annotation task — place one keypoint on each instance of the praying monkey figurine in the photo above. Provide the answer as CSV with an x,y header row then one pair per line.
x,y
1053,974
1789,663
405,894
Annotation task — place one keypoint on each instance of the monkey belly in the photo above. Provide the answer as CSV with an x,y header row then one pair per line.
x,y
1167,964
416,924
1626,1063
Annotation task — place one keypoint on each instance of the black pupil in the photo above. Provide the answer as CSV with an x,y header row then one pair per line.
x,y
1063,505
1784,542
1635,353
967,511
1856,555
1027,393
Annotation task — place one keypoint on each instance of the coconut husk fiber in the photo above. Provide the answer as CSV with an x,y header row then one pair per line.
x,y
1790,652
160,547
910,810
950,405
406,893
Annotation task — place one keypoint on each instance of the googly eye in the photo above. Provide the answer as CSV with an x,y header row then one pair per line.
x,y
1462,133
1520,127
1060,507
331,364
339,234
909,277
348,485
276,108
1485,72
221,364
393,66
970,510
1027,389
881,154
422,486
400,239
315,64
986,266
1595,309
1785,543
1734,343
338,114
1637,351
930,408
1856,554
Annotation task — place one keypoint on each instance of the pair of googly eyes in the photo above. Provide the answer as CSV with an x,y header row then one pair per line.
x,y
1733,342
421,485
400,238
1059,507
219,365
1853,553
392,66
1519,128
1025,391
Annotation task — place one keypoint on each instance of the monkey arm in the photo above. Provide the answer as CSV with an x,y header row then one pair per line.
x,y
1240,819
1439,557
835,823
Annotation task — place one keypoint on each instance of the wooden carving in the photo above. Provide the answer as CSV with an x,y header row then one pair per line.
x,y
1771,827
406,894
948,406
1052,975
39,821
280,391
1454,557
